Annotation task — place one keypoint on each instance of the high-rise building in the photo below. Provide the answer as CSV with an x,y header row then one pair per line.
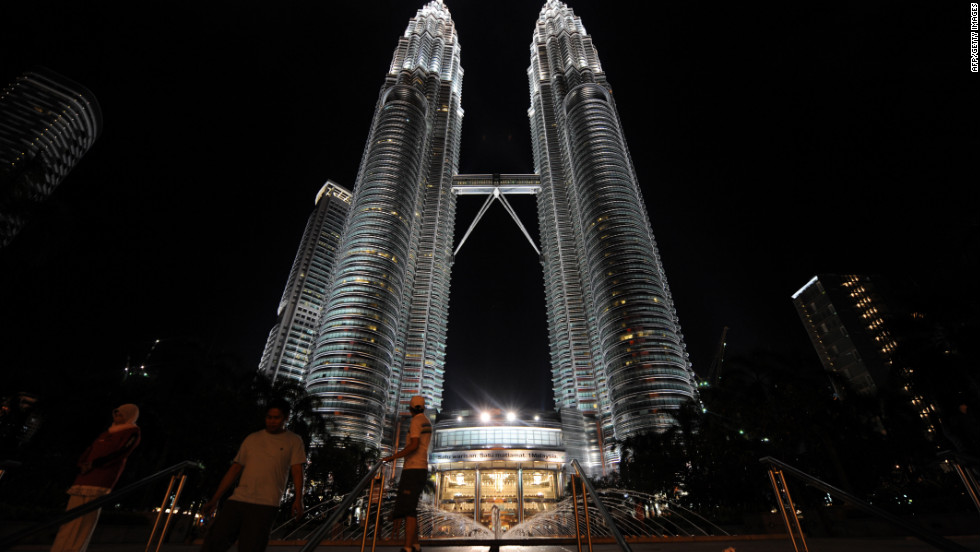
x,y
619,362
850,326
383,335
47,123
617,352
290,345
844,317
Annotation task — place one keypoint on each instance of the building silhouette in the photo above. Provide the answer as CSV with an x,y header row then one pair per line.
x,y
845,319
290,344
619,362
47,123
852,327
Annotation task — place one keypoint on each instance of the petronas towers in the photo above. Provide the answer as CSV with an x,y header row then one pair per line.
x,y
618,357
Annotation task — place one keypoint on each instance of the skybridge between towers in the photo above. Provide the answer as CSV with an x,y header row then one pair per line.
x,y
496,187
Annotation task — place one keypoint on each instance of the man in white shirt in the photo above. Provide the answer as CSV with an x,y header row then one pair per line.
x,y
264,461
414,473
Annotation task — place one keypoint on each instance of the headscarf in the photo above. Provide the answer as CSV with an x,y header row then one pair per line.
x,y
130,413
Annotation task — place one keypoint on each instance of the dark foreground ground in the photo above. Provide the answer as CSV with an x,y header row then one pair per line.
x,y
738,544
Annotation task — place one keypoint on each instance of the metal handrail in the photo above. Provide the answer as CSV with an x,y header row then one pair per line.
x,y
623,545
578,532
314,539
916,530
585,508
781,489
13,538
963,465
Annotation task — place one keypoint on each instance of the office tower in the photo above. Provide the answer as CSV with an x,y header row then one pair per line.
x,y
856,350
616,346
618,357
47,123
382,336
288,349
850,325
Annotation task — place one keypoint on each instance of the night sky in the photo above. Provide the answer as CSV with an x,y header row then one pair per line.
x,y
772,142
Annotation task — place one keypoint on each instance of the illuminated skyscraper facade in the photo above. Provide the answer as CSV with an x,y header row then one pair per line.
x,y
290,345
618,358
47,123
383,335
617,351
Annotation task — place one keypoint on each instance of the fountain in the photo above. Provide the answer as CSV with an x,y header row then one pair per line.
x,y
636,514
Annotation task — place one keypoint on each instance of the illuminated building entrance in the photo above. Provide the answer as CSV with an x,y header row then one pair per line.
x,y
513,462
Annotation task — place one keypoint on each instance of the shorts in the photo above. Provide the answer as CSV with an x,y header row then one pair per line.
x,y
409,488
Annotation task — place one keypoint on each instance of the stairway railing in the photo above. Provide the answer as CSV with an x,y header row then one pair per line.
x,y
317,535
777,467
964,467
623,545
176,472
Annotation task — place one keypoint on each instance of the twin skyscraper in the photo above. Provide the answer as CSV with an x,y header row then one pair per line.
x,y
363,319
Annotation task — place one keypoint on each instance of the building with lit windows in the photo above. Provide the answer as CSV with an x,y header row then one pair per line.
x,y
850,327
382,337
842,316
512,460
617,352
47,123
290,344
618,359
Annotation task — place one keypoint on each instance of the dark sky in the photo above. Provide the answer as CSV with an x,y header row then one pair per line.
x,y
772,142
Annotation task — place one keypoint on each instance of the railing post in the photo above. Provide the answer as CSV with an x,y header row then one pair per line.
x,y
314,539
10,540
367,513
623,545
173,506
913,528
779,488
377,511
578,534
585,509
163,506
